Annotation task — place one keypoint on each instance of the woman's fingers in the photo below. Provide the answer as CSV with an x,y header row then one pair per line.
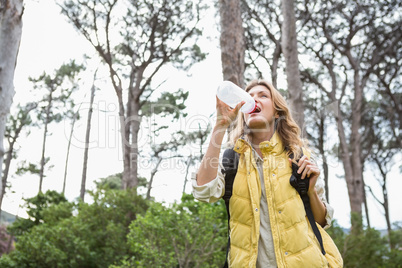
x,y
225,113
307,168
302,164
238,106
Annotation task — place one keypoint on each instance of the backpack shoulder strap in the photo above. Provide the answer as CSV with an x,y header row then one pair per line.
x,y
230,162
301,187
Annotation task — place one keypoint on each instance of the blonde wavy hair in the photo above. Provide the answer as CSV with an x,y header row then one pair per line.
x,y
286,127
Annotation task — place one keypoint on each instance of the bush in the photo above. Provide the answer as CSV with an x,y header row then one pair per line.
x,y
364,247
189,234
95,237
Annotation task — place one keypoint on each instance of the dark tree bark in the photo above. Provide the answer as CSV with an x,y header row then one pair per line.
x,y
232,41
290,51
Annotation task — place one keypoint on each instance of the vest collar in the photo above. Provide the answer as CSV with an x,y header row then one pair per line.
x,y
273,146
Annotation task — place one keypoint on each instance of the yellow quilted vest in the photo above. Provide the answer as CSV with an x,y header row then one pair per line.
x,y
294,241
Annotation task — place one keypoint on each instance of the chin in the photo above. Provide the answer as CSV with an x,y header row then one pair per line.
x,y
257,124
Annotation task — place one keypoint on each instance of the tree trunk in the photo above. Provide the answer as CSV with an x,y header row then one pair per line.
x,y
275,64
132,125
125,140
10,37
356,181
151,180
289,48
385,204
87,136
345,157
366,210
7,164
232,41
321,130
187,170
17,123
43,160
353,186
68,151
386,209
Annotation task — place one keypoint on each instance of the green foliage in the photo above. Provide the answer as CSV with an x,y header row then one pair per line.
x,y
188,234
366,247
151,34
95,237
394,256
337,234
31,168
16,122
116,230
56,102
396,236
167,104
49,246
110,182
114,182
66,71
36,209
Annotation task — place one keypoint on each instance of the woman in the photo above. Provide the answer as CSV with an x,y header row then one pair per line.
x,y
268,227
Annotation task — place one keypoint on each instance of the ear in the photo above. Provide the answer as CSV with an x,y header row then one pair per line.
x,y
276,115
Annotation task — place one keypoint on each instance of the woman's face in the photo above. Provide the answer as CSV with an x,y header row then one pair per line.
x,y
264,116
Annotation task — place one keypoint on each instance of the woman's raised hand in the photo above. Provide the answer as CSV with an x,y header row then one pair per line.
x,y
225,114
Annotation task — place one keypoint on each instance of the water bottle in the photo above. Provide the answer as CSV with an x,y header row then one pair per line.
x,y
231,94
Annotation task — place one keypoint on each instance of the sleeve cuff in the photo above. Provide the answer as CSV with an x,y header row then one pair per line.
x,y
328,215
209,192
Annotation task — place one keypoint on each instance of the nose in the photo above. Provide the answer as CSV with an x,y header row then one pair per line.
x,y
255,97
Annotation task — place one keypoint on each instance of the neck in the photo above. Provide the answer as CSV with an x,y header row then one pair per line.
x,y
256,137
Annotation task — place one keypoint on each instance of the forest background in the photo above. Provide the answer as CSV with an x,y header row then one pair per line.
x,y
48,41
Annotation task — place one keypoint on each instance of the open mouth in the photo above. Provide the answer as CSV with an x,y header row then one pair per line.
x,y
257,110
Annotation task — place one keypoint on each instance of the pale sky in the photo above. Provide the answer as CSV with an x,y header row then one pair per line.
x,y
49,41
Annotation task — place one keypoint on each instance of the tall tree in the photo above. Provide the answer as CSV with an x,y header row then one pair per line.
x,y
381,138
290,51
58,89
135,45
10,37
87,136
74,119
348,53
14,128
232,41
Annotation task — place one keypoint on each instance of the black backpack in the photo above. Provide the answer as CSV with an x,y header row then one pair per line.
x,y
230,163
